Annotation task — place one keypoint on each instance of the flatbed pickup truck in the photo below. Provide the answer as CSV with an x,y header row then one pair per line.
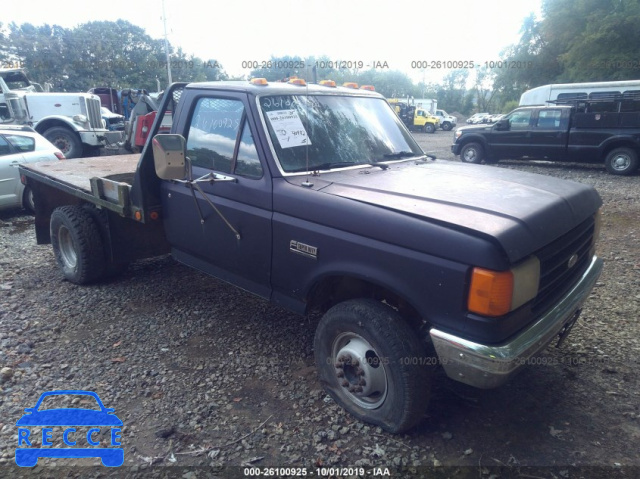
x,y
587,131
317,197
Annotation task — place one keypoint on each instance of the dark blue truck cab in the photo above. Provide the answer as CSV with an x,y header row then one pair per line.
x,y
316,197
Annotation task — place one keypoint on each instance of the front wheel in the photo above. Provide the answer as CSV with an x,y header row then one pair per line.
x,y
373,364
446,126
65,140
621,161
429,128
77,244
472,153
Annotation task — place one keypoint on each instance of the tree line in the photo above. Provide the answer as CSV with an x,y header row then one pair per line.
x,y
114,54
574,40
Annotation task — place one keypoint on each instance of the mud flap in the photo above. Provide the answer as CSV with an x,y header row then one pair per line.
x,y
566,329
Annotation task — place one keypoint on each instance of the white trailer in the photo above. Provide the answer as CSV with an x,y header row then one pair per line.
x,y
581,91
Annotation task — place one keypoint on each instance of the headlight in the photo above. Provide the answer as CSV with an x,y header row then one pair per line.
x,y
495,293
80,118
457,134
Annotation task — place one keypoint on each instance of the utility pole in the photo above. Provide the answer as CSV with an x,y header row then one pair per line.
x,y
166,44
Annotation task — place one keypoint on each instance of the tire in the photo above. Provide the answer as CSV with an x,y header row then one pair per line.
x,y
472,153
392,390
446,126
429,128
27,200
77,244
65,140
621,161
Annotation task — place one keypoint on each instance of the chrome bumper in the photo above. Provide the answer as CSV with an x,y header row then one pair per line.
x,y
487,367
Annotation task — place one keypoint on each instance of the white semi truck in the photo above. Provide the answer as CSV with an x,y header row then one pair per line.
x,y
71,121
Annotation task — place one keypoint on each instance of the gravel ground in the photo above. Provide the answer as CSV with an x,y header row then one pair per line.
x,y
209,380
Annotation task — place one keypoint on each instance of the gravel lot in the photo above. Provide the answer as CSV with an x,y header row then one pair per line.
x,y
209,380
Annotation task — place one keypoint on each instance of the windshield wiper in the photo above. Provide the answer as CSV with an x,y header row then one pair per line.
x,y
339,164
401,154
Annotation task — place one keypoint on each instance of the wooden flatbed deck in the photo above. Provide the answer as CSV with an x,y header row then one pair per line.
x,y
78,172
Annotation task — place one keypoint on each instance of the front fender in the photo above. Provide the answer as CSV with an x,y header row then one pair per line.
x,y
57,120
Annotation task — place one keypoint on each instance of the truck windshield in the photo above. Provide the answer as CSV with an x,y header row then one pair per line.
x,y
315,132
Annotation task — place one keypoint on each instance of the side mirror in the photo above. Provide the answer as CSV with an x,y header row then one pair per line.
x,y
502,124
169,154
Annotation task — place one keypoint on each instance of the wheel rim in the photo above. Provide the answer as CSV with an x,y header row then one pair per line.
x,y
359,370
621,162
62,143
67,250
470,154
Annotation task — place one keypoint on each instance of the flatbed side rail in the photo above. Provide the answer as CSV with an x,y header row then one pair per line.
x,y
108,194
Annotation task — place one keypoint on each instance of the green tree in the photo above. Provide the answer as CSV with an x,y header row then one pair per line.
x,y
40,49
115,54
576,40
452,94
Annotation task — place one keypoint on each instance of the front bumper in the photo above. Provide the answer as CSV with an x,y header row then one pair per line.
x,y
455,149
93,137
488,366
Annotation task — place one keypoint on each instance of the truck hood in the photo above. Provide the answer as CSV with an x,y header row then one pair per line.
x,y
521,211
471,128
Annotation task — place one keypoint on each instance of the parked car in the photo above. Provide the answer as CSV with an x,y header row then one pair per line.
x,y
21,144
478,118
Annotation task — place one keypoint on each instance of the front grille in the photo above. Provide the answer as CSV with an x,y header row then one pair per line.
x,y
556,274
93,112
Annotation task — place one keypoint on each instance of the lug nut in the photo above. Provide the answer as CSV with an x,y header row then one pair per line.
x,y
345,383
340,374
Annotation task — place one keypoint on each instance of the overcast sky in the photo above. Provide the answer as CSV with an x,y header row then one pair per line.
x,y
397,32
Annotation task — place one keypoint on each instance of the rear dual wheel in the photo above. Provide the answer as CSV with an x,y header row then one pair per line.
x,y
77,244
79,248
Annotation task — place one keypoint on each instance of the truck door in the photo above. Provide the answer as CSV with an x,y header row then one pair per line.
x,y
513,142
220,139
549,133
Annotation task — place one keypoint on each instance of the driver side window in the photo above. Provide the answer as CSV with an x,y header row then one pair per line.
x,y
220,138
520,120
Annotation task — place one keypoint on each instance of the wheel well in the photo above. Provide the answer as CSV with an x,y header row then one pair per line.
x,y
43,126
336,289
624,144
474,139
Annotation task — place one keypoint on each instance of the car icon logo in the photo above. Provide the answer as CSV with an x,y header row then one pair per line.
x,y
76,427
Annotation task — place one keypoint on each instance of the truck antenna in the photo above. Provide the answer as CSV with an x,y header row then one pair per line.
x,y
306,182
